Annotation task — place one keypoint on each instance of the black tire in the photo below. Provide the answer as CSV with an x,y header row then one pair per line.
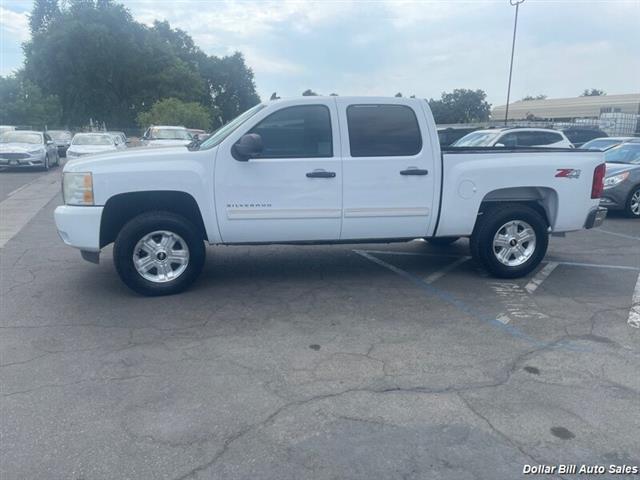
x,y
627,208
488,225
442,241
149,222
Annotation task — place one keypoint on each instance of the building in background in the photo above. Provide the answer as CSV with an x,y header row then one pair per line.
x,y
614,114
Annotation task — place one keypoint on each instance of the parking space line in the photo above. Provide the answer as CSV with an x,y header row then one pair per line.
x,y
446,269
634,313
447,297
540,277
623,235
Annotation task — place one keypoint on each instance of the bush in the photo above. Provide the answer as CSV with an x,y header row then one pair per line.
x,y
171,111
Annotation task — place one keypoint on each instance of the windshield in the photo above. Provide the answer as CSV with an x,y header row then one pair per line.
x,y
21,137
92,140
169,134
600,144
59,135
476,139
226,130
625,153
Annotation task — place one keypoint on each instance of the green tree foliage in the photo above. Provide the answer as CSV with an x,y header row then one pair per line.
x,y
172,111
23,103
309,93
531,97
594,92
42,14
461,106
104,65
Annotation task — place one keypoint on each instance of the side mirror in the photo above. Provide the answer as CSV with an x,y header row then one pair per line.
x,y
49,142
249,146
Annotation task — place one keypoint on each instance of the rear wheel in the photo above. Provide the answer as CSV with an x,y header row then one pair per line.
x,y
510,240
159,253
442,241
632,208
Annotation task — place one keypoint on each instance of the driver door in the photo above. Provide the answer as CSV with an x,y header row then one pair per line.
x,y
290,192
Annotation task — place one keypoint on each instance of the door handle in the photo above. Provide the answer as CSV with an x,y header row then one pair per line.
x,y
414,171
321,174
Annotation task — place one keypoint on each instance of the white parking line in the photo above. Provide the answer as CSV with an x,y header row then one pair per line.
x,y
631,237
24,203
634,313
444,270
540,277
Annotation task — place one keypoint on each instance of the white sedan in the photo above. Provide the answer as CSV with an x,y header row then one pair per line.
x,y
91,143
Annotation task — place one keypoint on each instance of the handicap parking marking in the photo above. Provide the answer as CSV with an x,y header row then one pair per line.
x,y
500,321
634,313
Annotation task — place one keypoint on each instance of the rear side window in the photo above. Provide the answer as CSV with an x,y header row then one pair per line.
x,y
302,131
383,131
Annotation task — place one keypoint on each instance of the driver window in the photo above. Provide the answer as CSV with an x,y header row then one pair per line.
x,y
302,131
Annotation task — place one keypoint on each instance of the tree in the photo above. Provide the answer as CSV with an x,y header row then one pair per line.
x,y
171,111
43,13
594,92
461,106
309,93
102,64
537,97
23,103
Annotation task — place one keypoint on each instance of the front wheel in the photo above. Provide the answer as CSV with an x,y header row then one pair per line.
x,y
632,209
510,240
159,253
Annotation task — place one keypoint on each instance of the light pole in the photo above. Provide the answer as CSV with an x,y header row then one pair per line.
x,y
515,3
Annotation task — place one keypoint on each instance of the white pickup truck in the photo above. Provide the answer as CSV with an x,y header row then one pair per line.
x,y
323,170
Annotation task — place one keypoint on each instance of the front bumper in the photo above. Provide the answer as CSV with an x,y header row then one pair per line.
x,y
596,217
27,161
79,227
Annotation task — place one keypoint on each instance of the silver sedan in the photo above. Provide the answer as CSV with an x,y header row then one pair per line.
x,y
28,148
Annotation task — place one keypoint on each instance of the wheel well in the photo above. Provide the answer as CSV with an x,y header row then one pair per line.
x,y
121,208
542,199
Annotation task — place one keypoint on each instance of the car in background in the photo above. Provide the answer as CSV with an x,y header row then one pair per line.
x,y
6,128
449,135
605,143
513,137
622,179
28,148
62,139
122,138
581,135
166,136
91,143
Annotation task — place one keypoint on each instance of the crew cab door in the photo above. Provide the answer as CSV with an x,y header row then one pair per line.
x,y
389,169
292,191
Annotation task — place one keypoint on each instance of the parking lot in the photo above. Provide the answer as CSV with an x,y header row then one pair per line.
x,y
285,362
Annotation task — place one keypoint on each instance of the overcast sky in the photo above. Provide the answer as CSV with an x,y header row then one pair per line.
x,y
415,47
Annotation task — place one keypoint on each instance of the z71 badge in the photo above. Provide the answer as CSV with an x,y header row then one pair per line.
x,y
567,173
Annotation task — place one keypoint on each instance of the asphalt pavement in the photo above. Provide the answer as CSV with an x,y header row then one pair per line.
x,y
400,361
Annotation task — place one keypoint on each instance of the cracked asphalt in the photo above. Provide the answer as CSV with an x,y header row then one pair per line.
x,y
286,362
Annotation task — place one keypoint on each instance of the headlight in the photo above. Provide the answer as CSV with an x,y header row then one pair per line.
x,y
615,179
77,188
71,153
36,151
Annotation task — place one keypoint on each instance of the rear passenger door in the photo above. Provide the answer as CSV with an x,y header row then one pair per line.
x,y
388,170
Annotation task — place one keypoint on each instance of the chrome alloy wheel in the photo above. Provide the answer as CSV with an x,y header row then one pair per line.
x,y
161,256
514,243
635,203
